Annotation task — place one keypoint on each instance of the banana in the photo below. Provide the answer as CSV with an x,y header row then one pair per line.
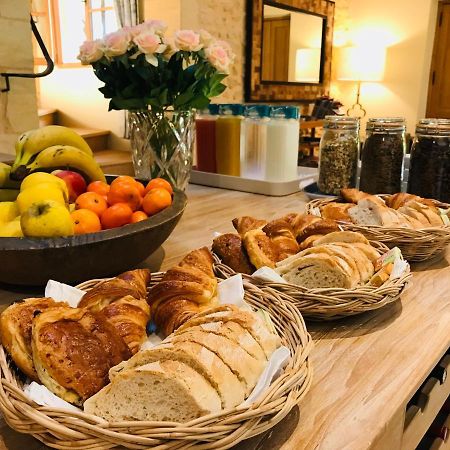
x,y
32,142
67,157
5,181
8,195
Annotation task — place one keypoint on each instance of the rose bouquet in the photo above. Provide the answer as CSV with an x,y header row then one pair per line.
x,y
142,68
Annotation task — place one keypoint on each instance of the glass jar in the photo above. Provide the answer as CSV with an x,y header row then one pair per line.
x,y
429,172
338,154
382,156
205,136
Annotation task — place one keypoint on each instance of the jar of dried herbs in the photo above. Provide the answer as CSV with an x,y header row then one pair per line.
x,y
429,172
382,156
338,157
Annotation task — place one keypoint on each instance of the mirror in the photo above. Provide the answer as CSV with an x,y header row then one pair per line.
x,y
291,45
290,62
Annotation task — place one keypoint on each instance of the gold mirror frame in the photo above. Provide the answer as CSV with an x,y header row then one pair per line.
x,y
257,90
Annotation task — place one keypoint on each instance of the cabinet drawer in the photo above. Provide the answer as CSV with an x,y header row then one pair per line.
x,y
431,397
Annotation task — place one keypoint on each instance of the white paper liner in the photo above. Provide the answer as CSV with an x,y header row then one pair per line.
x,y
230,291
268,274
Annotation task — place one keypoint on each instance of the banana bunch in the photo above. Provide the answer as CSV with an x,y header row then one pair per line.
x,y
9,189
54,147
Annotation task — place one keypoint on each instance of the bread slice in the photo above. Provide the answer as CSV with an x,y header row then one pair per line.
x,y
236,333
368,212
244,366
317,271
341,236
159,391
363,263
199,358
411,212
433,218
309,241
415,223
252,322
371,252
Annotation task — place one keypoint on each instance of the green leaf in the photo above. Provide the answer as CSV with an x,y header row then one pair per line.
x,y
199,102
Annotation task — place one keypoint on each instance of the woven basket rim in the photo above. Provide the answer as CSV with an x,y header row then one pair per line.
x,y
63,429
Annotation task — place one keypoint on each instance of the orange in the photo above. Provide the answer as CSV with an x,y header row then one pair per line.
x,y
123,178
92,201
159,183
85,221
100,187
141,188
116,215
138,216
156,200
124,192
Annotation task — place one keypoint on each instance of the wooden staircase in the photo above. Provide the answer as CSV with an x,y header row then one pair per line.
x,y
113,162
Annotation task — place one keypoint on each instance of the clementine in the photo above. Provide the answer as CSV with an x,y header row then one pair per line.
x,y
141,188
92,201
156,200
85,221
138,216
159,183
124,192
100,187
116,215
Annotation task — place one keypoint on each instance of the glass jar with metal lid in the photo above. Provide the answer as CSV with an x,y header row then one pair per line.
x,y
382,156
338,154
429,172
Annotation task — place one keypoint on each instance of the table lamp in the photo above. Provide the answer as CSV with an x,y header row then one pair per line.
x,y
307,65
361,64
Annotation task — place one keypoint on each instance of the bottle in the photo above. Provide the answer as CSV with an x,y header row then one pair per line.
x,y
205,132
429,171
254,132
283,134
228,139
338,154
382,156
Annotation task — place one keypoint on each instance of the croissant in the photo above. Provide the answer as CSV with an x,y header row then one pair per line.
x,y
247,223
184,291
352,195
122,302
260,249
282,236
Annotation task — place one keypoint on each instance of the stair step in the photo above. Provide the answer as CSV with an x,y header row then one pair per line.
x,y
47,117
97,139
115,162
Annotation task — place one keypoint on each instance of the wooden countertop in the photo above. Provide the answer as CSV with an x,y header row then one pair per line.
x,y
366,368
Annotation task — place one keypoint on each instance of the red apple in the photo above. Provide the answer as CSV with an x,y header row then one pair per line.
x,y
75,183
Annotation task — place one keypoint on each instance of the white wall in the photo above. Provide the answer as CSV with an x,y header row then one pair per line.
x,y
407,28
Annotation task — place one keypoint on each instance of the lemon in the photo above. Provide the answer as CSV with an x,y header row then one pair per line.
x,y
8,211
40,193
11,229
37,178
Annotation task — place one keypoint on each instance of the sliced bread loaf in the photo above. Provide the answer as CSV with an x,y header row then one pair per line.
x,y
341,236
160,391
199,358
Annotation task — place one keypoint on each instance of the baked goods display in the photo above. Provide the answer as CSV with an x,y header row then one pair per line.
x,y
401,210
70,350
304,249
212,362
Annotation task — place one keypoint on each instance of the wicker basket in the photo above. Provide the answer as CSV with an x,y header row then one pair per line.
x,y
416,245
64,429
327,303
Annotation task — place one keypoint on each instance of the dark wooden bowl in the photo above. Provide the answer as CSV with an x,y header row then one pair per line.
x,y
33,261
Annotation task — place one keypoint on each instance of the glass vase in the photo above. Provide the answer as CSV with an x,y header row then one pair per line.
x,y
161,144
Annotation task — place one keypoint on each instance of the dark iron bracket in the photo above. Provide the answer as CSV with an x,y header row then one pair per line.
x,y
48,70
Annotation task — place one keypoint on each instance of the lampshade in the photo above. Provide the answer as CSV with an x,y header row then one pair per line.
x,y
361,64
307,65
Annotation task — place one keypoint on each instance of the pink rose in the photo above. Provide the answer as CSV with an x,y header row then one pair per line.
x,y
90,51
188,40
219,56
149,42
132,32
205,38
115,44
159,27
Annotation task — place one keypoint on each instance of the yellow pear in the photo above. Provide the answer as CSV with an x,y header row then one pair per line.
x,y
47,218
37,178
39,193
11,229
8,211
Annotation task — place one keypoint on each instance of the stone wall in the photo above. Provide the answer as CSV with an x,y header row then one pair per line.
x,y
18,107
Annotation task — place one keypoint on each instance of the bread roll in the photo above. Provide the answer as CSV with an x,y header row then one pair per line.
x,y
15,331
283,239
159,391
230,249
260,249
73,350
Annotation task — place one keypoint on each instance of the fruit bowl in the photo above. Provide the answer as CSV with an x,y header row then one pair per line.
x,y
33,261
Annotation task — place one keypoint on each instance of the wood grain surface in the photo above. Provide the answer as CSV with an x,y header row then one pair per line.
x,y
366,368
